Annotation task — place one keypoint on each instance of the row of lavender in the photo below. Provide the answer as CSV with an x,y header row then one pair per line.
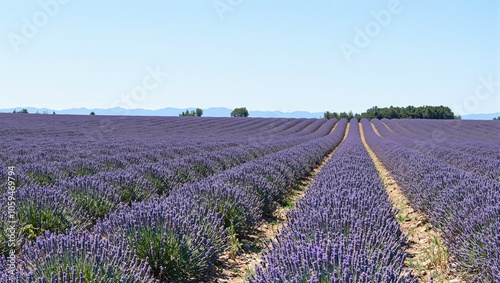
x,y
474,137
60,137
465,206
49,158
176,170
234,201
343,229
464,151
80,201
460,129
180,235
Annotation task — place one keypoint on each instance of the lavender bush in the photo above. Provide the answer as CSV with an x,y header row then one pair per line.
x,y
75,257
180,240
465,206
343,229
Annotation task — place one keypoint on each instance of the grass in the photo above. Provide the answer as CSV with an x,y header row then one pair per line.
x,y
288,203
249,271
432,261
235,244
43,179
402,218
437,255
411,232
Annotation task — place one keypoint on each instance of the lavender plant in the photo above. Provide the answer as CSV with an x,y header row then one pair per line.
x,y
463,205
343,229
40,209
179,240
76,257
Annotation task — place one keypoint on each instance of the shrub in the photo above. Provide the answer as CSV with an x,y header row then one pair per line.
x,y
77,257
181,241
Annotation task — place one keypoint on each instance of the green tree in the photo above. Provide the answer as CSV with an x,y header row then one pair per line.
x,y
199,112
372,113
92,113
53,112
24,111
330,115
239,112
391,112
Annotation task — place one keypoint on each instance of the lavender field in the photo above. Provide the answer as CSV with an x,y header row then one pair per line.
x,y
170,199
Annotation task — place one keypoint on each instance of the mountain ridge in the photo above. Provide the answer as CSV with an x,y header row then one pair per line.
x,y
169,111
208,112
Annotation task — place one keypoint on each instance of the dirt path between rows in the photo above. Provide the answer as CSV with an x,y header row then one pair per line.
x,y
374,129
427,254
236,270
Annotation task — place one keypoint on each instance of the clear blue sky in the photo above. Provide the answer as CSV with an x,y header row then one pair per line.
x,y
265,55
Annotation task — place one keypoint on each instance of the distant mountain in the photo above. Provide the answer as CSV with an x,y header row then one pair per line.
x,y
480,116
279,114
209,112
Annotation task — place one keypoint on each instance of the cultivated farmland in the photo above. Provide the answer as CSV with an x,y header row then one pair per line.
x,y
191,199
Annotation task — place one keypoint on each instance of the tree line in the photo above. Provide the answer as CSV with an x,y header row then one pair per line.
x,y
409,112
25,111
237,112
198,113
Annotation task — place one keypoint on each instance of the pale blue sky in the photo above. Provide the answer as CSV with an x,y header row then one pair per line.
x,y
265,55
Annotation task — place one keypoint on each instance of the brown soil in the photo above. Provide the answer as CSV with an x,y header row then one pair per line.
x,y
346,132
403,128
374,129
236,270
389,128
427,254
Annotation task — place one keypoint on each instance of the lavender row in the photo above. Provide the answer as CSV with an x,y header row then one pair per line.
x,y
45,167
461,135
463,205
82,200
252,189
180,249
76,257
48,174
45,173
178,230
343,229
43,138
465,129
45,144
468,162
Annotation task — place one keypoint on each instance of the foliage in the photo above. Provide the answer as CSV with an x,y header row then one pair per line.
x,y
239,112
76,257
23,111
181,241
41,209
158,191
409,112
342,230
93,197
198,113
92,113
445,170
